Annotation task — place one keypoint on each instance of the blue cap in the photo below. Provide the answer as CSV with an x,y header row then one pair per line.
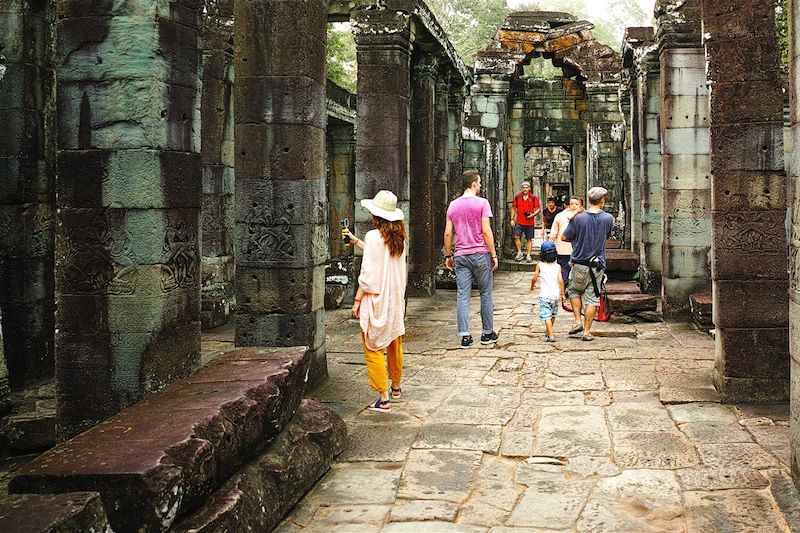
x,y
547,246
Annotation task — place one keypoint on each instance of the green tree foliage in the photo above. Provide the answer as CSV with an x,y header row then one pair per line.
x,y
782,28
340,66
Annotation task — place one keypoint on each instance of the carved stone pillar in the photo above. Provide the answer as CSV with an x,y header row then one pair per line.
x,y
341,182
749,203
26,190
384,90
423,165
216,114
686,180
281,213
441,192
794,240
128,184
455,142
651,206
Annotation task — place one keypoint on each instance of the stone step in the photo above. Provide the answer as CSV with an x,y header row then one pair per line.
x,y
258,496
28,432
161,457
626,303
622,287
702,309
621,261
72,512
214,311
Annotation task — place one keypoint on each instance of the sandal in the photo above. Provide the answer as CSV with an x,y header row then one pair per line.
x,y
587,337
577,329
396,393
380,405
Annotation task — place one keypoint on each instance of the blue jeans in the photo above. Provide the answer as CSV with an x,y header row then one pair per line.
x,y
479,268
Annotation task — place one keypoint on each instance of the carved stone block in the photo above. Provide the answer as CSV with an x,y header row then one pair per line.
x,y
747,147
280,152
751,303
281,100
749,190
286,290
753,353
280,329
749,101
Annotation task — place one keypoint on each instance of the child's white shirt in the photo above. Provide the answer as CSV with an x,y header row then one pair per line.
x,y
548,273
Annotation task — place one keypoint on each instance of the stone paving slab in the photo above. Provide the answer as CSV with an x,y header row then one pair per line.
x,y
633,439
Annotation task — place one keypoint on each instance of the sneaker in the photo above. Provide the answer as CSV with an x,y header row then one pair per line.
x,y
466,341
528,259
519,256
489,338
549,339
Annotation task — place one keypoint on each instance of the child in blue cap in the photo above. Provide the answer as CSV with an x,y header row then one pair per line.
x,y
552,291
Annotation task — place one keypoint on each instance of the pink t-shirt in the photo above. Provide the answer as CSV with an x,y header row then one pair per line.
x,y
466,212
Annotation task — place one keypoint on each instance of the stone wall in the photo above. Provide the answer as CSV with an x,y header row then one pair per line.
x,y
128,183
604,168
26,189
794,241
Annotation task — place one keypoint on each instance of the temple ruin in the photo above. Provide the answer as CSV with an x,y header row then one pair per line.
x,y
175,166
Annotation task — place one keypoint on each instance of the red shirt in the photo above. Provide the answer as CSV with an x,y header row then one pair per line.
x,y
522,205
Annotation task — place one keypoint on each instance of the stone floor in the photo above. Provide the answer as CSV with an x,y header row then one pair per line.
x,y
621,434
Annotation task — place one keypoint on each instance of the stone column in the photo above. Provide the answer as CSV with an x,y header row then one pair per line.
x,y
128,185
441,192
26,190
630,197
604,165
281,214
794,240
749,203
423,166
455,142
649,98
216,149
341,182
382,128
686,180
512,183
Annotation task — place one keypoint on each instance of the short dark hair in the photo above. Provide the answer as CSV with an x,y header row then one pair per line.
x,y
576,198
469,177
553,199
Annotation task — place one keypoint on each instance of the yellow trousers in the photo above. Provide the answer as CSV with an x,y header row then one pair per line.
x,y
376,366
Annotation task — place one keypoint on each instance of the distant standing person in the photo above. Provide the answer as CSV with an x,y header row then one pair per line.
x,y
564,249
552,291
474,258
379,303
524,210
549,214
588,232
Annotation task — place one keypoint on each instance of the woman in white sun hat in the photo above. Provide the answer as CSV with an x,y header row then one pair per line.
x,y
379,303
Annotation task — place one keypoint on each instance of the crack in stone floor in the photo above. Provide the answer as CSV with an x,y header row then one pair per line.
x,y
621,434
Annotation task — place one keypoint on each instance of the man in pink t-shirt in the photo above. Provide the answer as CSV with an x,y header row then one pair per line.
x,y
475,257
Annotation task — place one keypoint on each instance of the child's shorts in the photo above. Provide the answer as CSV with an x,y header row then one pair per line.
x,y
547,308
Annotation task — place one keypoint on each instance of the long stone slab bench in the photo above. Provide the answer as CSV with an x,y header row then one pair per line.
x,y
258,496
74,512
163,456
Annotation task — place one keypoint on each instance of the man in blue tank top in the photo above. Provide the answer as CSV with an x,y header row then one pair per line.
x,y
588,232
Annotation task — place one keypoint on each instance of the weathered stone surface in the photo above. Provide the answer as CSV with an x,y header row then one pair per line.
x,y
259,495
726,510
29,431
190,437
740,454
654,450
644,416
550,502
357,483
636,500
722,478
444,527
368,442
439,475
629,303
71,512
459,436
568,431
423,510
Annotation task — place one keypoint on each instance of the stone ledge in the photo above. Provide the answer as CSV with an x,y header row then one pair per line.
x,y
163,456
750,390
73,512
702,308
258,496
628,303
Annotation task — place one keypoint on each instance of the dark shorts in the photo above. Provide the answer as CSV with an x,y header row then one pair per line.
x,y
519,229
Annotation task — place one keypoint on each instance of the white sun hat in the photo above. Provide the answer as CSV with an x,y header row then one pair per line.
x,y
384,205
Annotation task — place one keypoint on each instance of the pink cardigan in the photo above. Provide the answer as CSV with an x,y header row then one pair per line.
x,y
383,280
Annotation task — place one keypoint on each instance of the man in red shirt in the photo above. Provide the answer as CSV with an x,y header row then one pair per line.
x,y
524,210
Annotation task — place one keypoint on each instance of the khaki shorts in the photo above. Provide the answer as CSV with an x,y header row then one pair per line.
x,y
580,284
